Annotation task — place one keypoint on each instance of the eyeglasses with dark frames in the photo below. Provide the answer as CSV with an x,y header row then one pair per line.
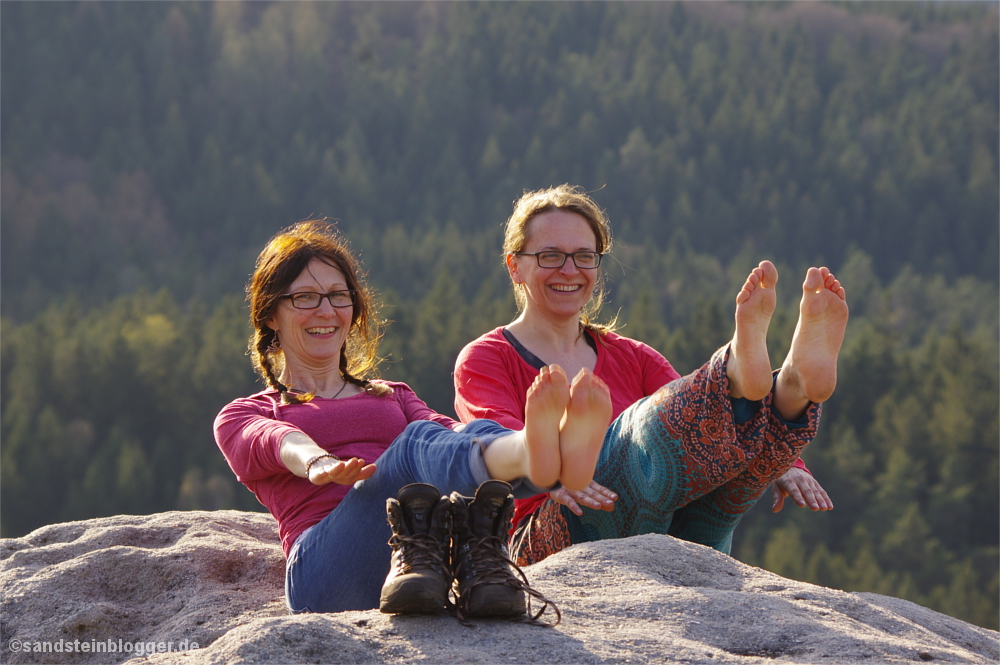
x,y
552,259
312,300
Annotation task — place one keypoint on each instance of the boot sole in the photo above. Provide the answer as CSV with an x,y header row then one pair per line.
x,y
413,598
499,603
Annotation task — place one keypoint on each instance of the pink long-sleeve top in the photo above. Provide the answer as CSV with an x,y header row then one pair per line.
x,y
249,431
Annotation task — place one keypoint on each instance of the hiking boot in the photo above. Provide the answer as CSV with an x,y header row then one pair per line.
x,y
485,580
420,574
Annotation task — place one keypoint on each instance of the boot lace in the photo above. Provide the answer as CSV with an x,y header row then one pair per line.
x,y
421,550
492,566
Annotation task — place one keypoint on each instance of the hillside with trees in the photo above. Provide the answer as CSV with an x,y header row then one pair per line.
x,y
148,150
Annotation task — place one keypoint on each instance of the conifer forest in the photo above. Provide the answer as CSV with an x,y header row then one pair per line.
x,y
149,149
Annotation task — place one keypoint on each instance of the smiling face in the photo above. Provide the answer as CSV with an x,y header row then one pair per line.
x,y
313,338
555,293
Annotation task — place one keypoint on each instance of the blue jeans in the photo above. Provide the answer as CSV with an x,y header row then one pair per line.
x,y
341,563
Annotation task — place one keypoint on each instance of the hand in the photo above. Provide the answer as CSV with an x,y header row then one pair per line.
x,y
340,471
804,490
592,496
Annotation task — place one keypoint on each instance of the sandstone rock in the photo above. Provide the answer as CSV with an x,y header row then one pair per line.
x,y
216,578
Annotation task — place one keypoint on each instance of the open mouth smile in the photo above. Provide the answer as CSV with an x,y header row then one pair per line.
x,y
320,331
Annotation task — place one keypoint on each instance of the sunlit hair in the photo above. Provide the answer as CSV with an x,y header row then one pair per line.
x,y
283,259
568,198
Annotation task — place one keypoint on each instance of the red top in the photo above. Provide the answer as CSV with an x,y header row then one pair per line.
x,y
249,431
492,381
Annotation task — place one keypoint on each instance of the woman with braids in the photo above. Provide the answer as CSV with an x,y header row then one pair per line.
x,y
684,456
304,444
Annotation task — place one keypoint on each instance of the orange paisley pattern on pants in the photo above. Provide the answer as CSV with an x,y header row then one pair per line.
x,y
687,461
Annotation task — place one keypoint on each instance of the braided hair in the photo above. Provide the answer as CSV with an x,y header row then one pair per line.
x,y
283,259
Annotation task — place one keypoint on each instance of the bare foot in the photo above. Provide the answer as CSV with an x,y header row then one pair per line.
x,y
809,373
581,433
546,403
749,368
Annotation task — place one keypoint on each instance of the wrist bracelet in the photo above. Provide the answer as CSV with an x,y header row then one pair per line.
x,y
313,460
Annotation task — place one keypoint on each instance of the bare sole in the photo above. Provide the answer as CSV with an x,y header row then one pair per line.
x,y
819,334
749,367
546,403
582,433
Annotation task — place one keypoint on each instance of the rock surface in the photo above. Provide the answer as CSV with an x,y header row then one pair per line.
x,y
216,578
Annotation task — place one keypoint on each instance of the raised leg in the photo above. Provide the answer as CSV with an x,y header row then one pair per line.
x,y
664,452
772,446
354,535
667,456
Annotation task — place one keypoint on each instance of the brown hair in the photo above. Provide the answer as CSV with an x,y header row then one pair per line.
x,y
570,199
282,260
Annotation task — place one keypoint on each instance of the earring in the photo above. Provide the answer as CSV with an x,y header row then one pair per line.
x,y
275,344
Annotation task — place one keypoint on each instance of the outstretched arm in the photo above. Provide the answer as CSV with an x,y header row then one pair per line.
x,y
296,451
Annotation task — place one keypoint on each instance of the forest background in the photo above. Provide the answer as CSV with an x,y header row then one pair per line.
x,y
150,149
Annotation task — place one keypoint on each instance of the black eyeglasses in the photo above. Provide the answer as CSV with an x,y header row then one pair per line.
x,y
310,300
582,260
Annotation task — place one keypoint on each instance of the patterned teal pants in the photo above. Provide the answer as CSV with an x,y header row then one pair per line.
x,y
687,461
